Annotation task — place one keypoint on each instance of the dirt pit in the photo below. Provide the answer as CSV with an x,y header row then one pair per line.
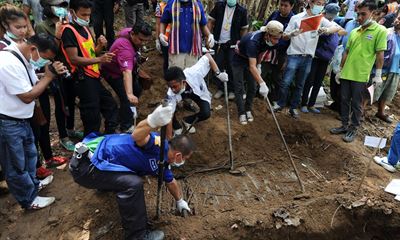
x,y
265,202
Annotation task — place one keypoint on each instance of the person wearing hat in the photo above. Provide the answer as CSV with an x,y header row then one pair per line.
x,y
300,54
244,66
327,44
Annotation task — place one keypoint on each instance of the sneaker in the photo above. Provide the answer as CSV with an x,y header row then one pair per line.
x,y
294,113
277,108
42,172
243,119
56,161
67,144
75,134
350,135
190,127
178,131
383,161
304,109
250,117
152,235
339,130
43,183
314,110
218,94
41,202
231,96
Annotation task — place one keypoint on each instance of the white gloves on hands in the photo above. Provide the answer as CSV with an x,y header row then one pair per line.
x,y
182,205
163,39
259,68
223,76
158,45
322,30
337,76
378,77
264,89
211,41
161,116
294,33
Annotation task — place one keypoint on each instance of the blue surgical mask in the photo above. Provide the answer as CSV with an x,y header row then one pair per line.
x,y
59,11
11,35
231,3
315,10
355,15
41,62
81,22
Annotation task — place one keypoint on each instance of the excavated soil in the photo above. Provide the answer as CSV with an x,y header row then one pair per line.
x,y
265,202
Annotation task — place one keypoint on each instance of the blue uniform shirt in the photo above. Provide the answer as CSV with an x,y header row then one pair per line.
x,y
119,153
185,23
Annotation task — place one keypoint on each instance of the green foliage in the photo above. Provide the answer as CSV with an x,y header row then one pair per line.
x,y
256,25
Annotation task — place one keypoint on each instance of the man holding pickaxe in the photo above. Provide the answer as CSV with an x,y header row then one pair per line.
x,y
117,162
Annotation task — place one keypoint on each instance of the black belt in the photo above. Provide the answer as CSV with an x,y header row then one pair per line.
x,y
5,117
302,55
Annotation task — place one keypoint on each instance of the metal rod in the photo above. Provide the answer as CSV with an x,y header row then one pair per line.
x,y
228,121
286,146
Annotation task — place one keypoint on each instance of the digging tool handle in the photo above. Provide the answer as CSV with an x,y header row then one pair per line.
x,y
161,167
285,144
228,121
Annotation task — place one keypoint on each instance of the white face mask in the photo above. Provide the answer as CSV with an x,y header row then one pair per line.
x,y
174,164
270,44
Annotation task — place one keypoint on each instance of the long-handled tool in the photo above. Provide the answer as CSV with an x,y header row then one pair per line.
x,y
369,164
284,143
228,121
161,167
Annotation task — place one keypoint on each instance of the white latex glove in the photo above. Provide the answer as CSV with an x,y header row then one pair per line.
x,y
337,77
264,89
259,68
163,39
294,33
210,40
223,77
323,30
158,45
378,77
182,205
161,116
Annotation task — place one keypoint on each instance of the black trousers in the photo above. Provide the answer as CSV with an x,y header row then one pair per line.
x,y
314,80
69,96
243,82
165,55
351,101
335,93
103,11
129,190
223,57
272,74
125,113
203,114
95,99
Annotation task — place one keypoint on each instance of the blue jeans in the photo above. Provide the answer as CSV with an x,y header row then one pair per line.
x,y
394,151
297,68
18,156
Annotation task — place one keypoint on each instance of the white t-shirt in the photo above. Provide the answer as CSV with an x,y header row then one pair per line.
x,y
14,80
304,43
225,35
195,78
351,4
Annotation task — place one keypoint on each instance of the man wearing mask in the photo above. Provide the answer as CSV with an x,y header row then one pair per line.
x,y
117,162
366,46
300,53
188,25
19,87
228,22
244,67
82,57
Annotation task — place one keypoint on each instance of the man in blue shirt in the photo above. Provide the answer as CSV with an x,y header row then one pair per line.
x,y
116,163
188,23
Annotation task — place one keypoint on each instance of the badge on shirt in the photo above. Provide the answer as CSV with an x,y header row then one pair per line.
x,y
369,37
125,64
153,164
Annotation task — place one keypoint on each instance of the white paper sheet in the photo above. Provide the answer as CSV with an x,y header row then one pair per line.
x,y
374,141
394,187
371,90
397,198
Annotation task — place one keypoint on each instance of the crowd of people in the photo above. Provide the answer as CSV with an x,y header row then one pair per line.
x,y
57,55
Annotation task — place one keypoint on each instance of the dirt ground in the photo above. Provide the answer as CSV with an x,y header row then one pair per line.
x,y
265,202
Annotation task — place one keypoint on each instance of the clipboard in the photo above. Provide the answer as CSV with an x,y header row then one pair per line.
x,y
311,23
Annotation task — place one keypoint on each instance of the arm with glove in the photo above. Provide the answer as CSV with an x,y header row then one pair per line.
x,y
377,79
161,116
173,188
257,76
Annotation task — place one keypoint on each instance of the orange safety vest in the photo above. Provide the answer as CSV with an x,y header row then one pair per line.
x,y
168,28
87,49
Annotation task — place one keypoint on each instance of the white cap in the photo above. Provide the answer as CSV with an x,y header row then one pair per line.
x,y
273,27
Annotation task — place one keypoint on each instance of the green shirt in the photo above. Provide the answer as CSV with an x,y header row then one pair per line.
x,y
361,52
47,26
